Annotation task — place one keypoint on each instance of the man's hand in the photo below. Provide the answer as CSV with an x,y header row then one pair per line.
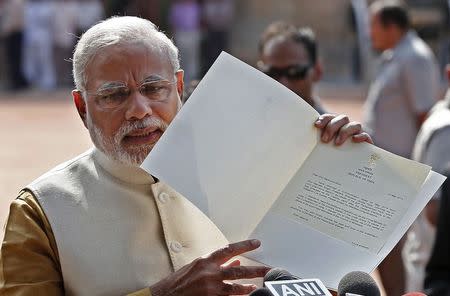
x,y
339,128
205,276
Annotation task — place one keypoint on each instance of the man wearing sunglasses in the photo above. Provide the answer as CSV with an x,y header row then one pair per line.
x,y
99,224
289,55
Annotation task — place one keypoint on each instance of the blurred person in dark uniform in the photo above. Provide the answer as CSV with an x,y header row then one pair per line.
x,y
289,55
12,24
217,18
184,18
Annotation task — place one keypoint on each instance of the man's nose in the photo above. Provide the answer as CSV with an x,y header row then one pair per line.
x,y
138,107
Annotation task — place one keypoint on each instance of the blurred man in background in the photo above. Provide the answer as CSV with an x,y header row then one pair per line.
x,y
184,18
39,67
11,31
65,26
217,17
407,82
89,13
289,55
404,90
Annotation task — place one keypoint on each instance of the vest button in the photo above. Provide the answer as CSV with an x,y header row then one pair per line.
x,y
176,246
163,197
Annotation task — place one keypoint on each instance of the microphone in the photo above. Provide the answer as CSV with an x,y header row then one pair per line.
x,y
278,274
359,283
261,292
279,282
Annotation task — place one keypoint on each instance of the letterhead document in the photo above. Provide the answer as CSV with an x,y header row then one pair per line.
x,y
245,151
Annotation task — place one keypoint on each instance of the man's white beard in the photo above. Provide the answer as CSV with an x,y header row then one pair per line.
x,y
112,147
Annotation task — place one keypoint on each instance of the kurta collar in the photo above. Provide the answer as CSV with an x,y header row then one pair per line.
x,y
125,173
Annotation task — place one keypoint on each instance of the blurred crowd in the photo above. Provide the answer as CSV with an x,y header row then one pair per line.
x,y
39,39
39,35
201,32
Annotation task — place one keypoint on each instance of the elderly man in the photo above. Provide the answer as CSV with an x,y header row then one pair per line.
x,y
100,225
289,55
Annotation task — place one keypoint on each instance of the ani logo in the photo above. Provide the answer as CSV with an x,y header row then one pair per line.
x,y
373,159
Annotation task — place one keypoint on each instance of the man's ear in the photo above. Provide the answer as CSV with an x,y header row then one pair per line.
x,y
180,82
317,71
80,104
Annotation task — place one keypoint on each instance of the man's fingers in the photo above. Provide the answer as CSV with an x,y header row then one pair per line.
x,y
243,272
237,289
323,120
332,128
346,131
223,255
235,262
362,137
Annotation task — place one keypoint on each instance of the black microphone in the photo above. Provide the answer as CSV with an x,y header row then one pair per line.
x,y
278,274
359,283
279,282
261,292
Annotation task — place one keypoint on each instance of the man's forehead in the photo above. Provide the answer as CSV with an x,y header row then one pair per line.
x,y
128,61
138,51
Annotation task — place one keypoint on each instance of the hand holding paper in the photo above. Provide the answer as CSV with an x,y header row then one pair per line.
x,y
245,151
338,128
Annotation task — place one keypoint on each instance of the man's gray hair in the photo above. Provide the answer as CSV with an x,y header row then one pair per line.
x,y
119,30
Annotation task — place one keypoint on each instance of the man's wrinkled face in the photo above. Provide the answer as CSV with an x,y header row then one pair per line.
x,y
283,55
132,94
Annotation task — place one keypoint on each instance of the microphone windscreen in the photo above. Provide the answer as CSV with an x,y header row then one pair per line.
x,y
358,282
261,292
278,274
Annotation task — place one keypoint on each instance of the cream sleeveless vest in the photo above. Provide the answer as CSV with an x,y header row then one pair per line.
x,y
118,231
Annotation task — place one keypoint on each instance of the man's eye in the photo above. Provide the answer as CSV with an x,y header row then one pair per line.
x,y
112,97
156,91
115,98
152,89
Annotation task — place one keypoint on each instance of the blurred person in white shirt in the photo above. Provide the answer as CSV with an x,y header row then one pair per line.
x,y
38,65
90,12
65,28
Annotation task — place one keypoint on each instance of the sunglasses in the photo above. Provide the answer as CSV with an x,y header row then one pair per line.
x,y
293,72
